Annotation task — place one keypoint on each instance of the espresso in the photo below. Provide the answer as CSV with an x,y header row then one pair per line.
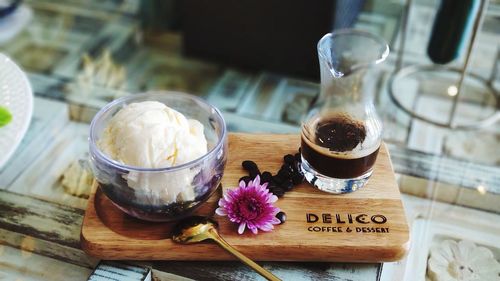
x,y
330,150
340,133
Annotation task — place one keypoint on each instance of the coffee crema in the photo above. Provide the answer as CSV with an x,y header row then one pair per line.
x,y
335,150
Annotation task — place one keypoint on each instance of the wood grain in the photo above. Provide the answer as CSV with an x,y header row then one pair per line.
x,y
110,234
52,229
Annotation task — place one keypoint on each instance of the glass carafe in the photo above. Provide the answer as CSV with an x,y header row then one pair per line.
x,y
341,134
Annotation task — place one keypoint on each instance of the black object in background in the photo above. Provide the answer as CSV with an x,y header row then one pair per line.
x,y
160,15
8,7
274,35
452,22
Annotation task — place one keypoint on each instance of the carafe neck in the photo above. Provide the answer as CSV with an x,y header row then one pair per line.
x,y
357,87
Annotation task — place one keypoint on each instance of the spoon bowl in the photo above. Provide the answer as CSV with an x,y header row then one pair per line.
x,y
196,229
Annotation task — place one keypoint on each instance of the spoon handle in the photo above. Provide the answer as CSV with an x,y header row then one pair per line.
x,y
266,274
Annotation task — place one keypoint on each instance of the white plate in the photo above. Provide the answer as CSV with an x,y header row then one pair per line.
x,y
17,96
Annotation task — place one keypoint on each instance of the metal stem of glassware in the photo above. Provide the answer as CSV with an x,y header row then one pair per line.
x,y
404,24
401,72
465,66
214,235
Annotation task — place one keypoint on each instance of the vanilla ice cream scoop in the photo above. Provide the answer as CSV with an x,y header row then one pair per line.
x,y
151,135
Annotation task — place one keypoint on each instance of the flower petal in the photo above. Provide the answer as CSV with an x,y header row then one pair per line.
x,y
273,199
241,228
275,221
222,202
221,212
256,181
254,230
227,198
267,227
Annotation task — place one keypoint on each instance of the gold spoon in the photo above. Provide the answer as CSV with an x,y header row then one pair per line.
x,y
195,229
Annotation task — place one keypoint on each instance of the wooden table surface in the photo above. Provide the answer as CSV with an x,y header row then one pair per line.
x,y
40,228
40,223
43,229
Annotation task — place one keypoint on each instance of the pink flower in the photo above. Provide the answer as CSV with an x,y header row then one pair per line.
x,y
250,206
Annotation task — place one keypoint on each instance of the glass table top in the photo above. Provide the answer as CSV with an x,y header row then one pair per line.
x,y
80,55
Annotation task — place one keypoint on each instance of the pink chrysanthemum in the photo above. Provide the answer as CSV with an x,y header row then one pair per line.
x,y
250,206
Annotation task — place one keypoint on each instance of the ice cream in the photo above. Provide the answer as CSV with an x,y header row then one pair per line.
x,y
151,135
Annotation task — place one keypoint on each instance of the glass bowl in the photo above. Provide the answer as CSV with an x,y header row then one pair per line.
x,y
161,194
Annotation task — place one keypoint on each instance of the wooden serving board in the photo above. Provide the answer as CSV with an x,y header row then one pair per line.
x,y
368,225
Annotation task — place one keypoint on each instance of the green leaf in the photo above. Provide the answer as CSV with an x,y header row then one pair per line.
x,y
5,116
